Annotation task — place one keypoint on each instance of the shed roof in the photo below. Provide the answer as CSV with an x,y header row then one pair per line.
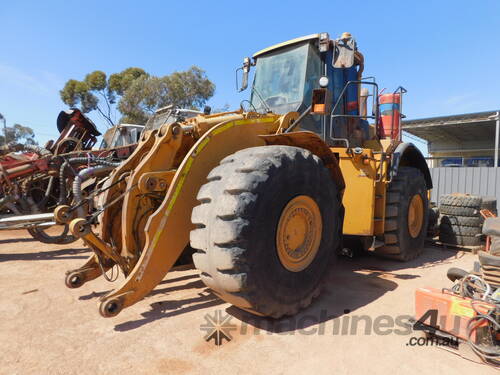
x,y
479,126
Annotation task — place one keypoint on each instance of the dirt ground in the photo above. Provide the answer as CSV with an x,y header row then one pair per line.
x,y
46,328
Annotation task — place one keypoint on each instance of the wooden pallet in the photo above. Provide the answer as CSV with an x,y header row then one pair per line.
x,y
472,249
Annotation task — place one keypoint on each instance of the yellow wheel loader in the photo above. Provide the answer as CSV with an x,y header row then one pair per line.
x,y
265,195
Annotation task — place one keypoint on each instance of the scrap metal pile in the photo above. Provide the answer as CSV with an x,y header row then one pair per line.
x,y
35,180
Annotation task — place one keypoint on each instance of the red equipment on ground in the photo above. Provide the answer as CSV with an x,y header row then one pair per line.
x,y
470,310
36,181
78,133
449,312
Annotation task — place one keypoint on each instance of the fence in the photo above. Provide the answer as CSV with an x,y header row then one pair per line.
x,y
472,180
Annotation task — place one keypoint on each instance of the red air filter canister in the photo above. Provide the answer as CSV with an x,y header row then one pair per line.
x,y
390,115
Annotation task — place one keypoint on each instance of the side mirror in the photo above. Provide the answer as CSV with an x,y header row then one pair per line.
x,y
245,71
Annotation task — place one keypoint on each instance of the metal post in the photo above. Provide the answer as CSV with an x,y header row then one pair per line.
x,y
497,134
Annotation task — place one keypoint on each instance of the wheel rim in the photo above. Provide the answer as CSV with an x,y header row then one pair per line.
x,y
415,215
299,233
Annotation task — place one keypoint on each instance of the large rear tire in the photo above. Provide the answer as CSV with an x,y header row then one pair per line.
x,y
406,216
267,229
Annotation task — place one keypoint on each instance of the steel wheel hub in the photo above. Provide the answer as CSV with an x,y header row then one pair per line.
x,y
299,233
415,216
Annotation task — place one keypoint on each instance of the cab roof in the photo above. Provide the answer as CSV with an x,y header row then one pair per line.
x,y
285,44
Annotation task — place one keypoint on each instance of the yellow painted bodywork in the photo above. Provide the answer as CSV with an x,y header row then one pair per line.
x,y
364,196
135,204
359,195
155,181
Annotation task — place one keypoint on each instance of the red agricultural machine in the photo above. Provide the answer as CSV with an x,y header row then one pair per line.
x,y
35,181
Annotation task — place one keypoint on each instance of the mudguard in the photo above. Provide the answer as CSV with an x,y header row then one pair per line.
x,y
408,155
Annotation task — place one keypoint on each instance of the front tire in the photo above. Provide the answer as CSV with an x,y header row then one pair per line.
x,y
267,229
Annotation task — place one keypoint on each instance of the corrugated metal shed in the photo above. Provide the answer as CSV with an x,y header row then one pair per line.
x,y
483,181
464,128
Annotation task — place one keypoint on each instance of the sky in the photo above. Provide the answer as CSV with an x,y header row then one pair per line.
x,y
445,53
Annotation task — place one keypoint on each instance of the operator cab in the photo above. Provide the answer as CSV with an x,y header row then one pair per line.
x,y
287,75
121,135
169,115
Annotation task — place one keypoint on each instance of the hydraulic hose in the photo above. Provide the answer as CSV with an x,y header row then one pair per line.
x,y
488,354
46,197
67,163
85,175
62,180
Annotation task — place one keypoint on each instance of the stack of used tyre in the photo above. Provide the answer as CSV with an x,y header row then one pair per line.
x,y
433,222
460,219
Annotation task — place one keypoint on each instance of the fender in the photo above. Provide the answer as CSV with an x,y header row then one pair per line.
x,y
313,143
407,155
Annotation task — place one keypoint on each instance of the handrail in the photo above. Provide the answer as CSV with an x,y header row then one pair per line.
x,y
401,91
375,107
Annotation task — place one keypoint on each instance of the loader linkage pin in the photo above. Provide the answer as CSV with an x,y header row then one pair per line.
x,y
110,308
74,280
